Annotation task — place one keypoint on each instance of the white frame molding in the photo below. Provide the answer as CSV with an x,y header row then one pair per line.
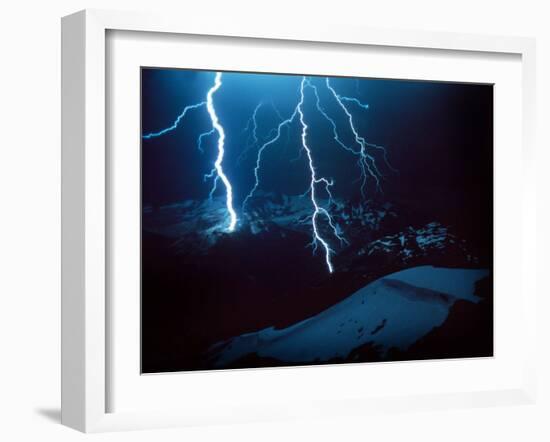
x,y
84,346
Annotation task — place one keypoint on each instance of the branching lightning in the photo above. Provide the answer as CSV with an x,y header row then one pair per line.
x,y
217,173
252,127
318,210
261,150
324,229
221,151
360,140
202,136
366,161
176,123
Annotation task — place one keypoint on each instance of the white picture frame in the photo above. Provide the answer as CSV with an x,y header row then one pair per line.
x,y
85,209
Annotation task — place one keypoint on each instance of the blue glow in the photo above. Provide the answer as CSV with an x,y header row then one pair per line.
x,y
261,138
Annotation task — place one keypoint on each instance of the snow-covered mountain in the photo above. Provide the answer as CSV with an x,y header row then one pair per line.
x,y
418,242
385,299
394,311
294,212
369,228
263,213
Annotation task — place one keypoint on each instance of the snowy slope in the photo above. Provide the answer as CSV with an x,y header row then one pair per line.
x,y
265,212
393,311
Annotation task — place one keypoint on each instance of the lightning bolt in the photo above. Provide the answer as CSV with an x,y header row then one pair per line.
x,y
252,127
176,123
254,122
366,162
261,150
221,151
204,135
217,173
318,210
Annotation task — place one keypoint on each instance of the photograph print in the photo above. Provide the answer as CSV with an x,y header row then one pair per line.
x,y
298,220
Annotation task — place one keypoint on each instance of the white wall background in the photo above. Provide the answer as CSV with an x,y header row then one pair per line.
x,y
30,219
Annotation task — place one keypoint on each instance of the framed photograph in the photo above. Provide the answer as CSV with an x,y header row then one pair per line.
x,y
357,252
251,212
